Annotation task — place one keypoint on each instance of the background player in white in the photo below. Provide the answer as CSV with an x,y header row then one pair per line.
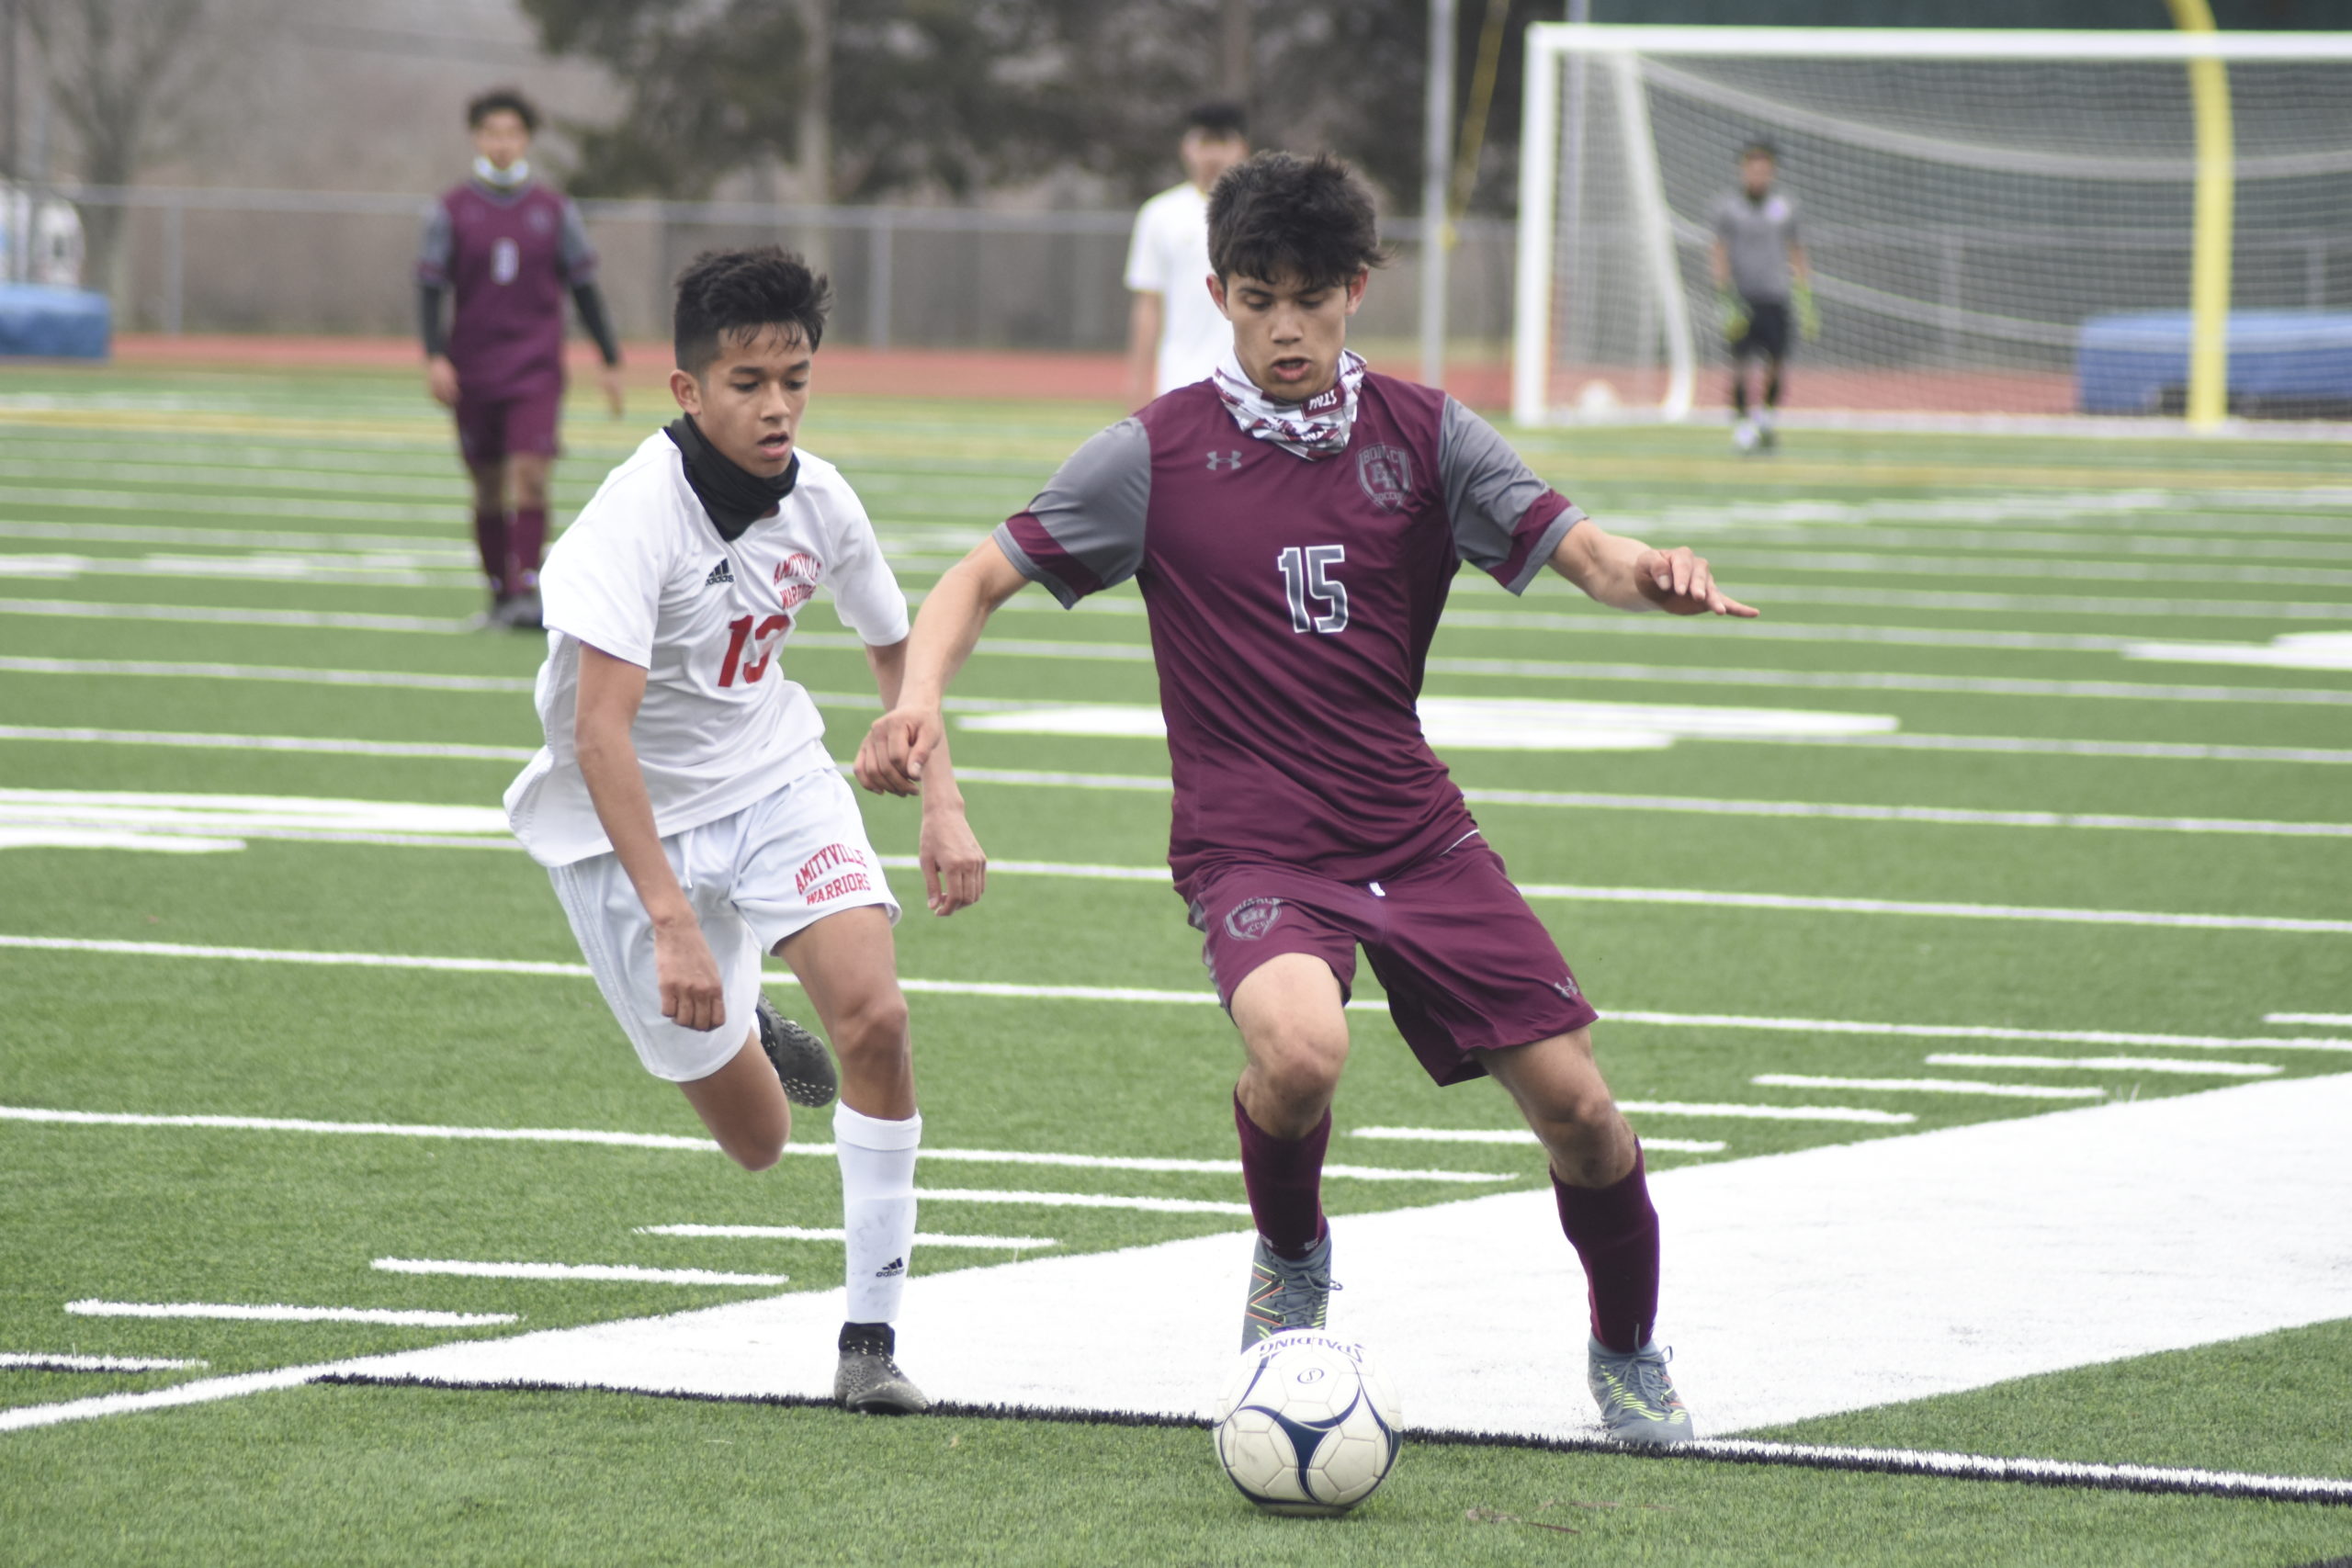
x,y
1175,334
1294,525
1760,272
685,806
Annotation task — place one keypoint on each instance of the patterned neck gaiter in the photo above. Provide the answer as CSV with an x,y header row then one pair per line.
x,y
1314,429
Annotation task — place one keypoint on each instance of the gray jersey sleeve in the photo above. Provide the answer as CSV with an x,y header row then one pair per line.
x,y
574,253
1506,522
1084,532
433,251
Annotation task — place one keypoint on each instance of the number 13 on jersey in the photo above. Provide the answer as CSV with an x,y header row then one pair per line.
x,y
1318,601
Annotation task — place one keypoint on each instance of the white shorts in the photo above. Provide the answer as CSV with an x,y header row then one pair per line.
x,y
781,863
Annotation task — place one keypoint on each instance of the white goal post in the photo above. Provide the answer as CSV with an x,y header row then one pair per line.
x,y
1998,222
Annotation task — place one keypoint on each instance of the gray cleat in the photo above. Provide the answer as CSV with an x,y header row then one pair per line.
x,y
868,1380
800,1059
518,612
1637,1401
1286,1294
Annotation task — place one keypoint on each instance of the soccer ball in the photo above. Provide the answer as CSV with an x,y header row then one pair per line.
x,y
1305,1424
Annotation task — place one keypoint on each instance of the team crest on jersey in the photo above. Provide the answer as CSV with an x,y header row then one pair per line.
x,y
1252,918
1387,475
796,576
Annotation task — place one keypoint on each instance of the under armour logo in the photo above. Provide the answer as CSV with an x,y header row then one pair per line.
x,y
718,574
1227,460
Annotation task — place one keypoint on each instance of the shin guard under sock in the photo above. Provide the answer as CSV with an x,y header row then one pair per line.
x,y
1284,1176
877,1161
1614,1231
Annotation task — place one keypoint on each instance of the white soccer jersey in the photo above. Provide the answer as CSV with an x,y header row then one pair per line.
x,y
643,576
1169,255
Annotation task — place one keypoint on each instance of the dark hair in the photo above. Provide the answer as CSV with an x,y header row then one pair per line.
x,y
740,294
1277,213
508,100
1219,121
1760,150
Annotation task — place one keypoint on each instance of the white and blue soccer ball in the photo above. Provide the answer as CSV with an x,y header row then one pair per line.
x,y
1305,1424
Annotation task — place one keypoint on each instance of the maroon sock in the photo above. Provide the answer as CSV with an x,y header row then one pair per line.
x,y
524,544
1284,1176
1614,1231
490,537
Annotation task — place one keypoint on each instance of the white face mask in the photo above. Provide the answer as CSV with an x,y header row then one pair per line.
x,y
515,174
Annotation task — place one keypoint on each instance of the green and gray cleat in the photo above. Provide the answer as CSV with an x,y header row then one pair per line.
x,y
800,1059
1286,1294
868,1380
1637,1401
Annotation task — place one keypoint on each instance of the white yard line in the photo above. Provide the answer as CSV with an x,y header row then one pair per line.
x,y
807,1233
1078,1201
1146,1163
200,1391
320,745
1709,1111
37,1361
315,620
1927,1086
1521,1136
2321,1019
2035,746
19,665
614,1273
396,1317
1983,1031
2170,1064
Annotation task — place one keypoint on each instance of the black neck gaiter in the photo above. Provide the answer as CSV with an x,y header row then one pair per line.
x,y
734,497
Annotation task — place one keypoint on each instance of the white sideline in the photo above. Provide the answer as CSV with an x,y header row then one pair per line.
x,y
316,620
297,675
809,1233
2108,1064
397,1318
36,1361
2324,1019
620,1273
1149,1163
1927,1086
1796,1285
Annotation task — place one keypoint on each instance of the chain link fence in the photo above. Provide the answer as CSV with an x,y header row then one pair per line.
x,y
262,261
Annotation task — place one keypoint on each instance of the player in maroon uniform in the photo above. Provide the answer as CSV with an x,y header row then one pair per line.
x,y
508,247
1294,523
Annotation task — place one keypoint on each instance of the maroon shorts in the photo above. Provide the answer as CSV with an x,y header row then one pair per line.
x,y
489,429
1467,964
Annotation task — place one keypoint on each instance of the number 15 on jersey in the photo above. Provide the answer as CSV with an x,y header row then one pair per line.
x,y
1318,601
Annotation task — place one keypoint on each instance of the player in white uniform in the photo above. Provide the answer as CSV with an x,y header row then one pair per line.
x,y
1175,333
685,804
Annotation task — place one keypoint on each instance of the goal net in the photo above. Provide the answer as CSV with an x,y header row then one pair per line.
x,y
1998,223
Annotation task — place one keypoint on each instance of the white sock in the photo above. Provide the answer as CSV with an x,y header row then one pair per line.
x,y
877,1161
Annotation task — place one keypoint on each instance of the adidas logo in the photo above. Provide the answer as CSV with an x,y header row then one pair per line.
x,y
720,573
892,1269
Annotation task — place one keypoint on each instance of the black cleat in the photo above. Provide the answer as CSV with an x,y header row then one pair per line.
x,y
868,1382
800,1059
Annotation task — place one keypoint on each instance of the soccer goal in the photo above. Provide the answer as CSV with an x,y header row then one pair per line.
x,y
2001,224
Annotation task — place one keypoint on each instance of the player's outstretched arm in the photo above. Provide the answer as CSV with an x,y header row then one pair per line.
x,y
902,741
610,690
955,867
1627,574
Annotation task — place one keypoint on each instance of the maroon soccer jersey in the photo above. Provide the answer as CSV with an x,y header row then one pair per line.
x,y
1291,603
510,258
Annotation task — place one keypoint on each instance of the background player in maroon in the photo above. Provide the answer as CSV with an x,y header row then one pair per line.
x,y
1295,524
508,247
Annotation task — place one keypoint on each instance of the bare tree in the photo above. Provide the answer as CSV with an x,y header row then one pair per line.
x,y
124,75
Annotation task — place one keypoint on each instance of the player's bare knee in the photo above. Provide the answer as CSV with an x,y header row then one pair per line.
x,y
874,1028
1299,1065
